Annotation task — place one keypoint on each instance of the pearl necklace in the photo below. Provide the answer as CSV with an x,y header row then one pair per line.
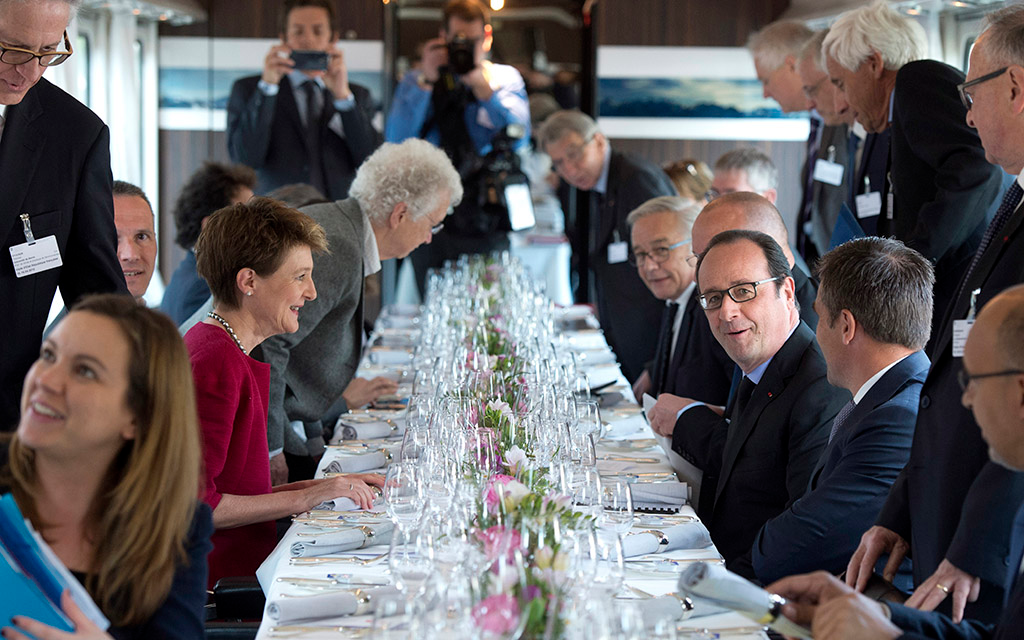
x,y
227,327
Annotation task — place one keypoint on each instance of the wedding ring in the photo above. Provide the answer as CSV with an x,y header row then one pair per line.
x,y
942,587
350,485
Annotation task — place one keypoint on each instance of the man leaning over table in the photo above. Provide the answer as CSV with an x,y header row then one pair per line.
x,y
398,201
941,510
875,306
992,379
758,455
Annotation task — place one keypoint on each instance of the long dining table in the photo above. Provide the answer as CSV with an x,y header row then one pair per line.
x,y
628,448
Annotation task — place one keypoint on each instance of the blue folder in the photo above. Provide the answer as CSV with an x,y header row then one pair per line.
x,y
847,228
29,586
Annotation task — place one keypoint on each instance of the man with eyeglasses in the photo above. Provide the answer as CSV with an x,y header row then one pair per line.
x,y
833,167
687,362
618,183
462,102
941,510
939,189
56,206
758,454
993,390
399,200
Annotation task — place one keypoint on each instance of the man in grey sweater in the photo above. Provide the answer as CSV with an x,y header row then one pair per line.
x,y
398,200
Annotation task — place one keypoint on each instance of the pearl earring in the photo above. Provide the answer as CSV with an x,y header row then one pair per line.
x,y
248,293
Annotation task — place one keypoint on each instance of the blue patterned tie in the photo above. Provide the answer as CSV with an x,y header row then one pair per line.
x,y
840,418
1008,206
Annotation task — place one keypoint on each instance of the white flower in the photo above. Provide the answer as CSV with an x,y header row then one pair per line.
x,y
501,407
514,458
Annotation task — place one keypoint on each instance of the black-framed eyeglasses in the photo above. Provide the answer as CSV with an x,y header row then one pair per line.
x,y
658,254
966,98
742,292
17,55
436,229
692,260
965,378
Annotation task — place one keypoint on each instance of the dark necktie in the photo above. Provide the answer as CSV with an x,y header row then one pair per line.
x,y
313,95
664,354
1006,208
807,202
840,418
743,393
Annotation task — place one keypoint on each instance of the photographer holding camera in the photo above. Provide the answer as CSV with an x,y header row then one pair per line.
x,y
301,121
463,103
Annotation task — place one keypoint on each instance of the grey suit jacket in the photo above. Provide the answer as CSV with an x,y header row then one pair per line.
x,y
311,367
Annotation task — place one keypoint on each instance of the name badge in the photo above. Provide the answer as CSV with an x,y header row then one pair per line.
x,y
829,172
961,328
618,252
34,257
869,204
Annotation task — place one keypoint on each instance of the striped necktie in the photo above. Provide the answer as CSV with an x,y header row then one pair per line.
x,y
1006,208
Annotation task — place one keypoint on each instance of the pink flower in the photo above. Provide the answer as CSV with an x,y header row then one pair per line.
x,y
491,498
497,614
498,539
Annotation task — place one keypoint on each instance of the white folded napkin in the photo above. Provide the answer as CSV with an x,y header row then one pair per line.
x,y
662,609
587,339
328,605
624,427
383,355
344,540
348,428
338,504
659,495
689,535
595,357
357,463
600,374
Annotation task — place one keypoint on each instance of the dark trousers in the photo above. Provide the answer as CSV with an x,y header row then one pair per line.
x,y
449,246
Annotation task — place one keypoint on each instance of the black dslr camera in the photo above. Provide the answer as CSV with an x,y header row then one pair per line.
x,y
461,55
505,189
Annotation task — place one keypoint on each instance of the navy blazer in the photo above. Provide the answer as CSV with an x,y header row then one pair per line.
x,y
54,166
822,529
186,291
628,311
929,624
949,485
267,134
761,461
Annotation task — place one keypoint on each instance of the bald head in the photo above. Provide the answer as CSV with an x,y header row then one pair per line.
x,y
740,210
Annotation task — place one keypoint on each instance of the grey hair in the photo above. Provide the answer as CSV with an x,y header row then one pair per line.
x,y
761,172
684,210
561,123
886,285
413,172
876,27
771,45
1004,35
812,50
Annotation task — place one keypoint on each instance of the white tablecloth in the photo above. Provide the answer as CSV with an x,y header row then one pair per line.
x,y
627,436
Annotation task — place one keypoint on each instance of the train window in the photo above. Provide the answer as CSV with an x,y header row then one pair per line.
x,y
82,52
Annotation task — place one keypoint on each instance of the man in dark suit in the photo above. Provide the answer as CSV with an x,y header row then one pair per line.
x,y
758,458
941,509
619,183
56,185
307,124
688,360
875,301
993,388
832,172
940,187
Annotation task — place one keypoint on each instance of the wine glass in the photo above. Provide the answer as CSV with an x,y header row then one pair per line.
x,y
616,506
409,559
588,418
403,494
